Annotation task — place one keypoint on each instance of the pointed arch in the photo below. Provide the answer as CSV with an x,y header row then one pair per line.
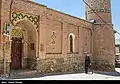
x,y
25,29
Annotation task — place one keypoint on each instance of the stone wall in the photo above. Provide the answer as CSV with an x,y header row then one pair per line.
x,y
102,65
73,64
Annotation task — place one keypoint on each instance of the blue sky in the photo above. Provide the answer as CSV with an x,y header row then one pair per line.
x,y
76,8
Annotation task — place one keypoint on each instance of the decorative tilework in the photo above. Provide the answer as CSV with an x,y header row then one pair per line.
x,y
19,16
53,38
100,6
16,32
104,4
99,10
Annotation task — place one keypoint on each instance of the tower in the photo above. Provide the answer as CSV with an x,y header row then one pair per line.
x,y
102,8
103,34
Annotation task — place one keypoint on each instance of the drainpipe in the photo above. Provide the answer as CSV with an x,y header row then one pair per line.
x,y
5,33
38,35
3,46
92,42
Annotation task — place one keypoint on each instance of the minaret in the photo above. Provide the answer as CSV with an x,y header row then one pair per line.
x,y
103,34
102,8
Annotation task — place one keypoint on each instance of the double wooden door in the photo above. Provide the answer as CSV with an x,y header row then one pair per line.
x,y
16,53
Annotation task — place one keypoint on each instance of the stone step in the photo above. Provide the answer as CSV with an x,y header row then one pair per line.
x,y
27,72
22,73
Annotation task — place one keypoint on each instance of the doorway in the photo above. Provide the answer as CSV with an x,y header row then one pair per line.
x,y
16,53
23,45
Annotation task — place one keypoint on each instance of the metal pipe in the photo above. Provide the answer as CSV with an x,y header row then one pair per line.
x,y
38,35
4,56
4,52
92,40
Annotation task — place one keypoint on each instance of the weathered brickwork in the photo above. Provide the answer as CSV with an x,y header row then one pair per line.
x,y
103,34
46,40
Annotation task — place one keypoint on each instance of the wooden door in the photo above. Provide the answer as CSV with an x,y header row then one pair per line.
x,y
16,53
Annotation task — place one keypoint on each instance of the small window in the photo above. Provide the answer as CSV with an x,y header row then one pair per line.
x,y
71,44
32,46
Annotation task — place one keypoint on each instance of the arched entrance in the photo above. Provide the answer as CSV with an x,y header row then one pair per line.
x,y
23,46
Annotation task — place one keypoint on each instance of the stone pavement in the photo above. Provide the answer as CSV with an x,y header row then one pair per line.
x,y
20,74
34,74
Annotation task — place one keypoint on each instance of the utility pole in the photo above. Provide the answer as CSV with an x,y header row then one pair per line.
x,y
4,48
4,54
6,30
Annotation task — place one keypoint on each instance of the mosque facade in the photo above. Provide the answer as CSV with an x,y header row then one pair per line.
x,y
39,38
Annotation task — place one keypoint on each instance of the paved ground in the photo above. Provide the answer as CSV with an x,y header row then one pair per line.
x,y
33,75
82,76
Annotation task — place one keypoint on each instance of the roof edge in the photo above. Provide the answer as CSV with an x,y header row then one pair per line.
x,y
68,15
35,3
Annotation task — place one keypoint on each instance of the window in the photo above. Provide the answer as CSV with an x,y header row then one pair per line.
x,y
71,44
32,46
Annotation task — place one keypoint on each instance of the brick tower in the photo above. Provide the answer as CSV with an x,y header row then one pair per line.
x,y
103,34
